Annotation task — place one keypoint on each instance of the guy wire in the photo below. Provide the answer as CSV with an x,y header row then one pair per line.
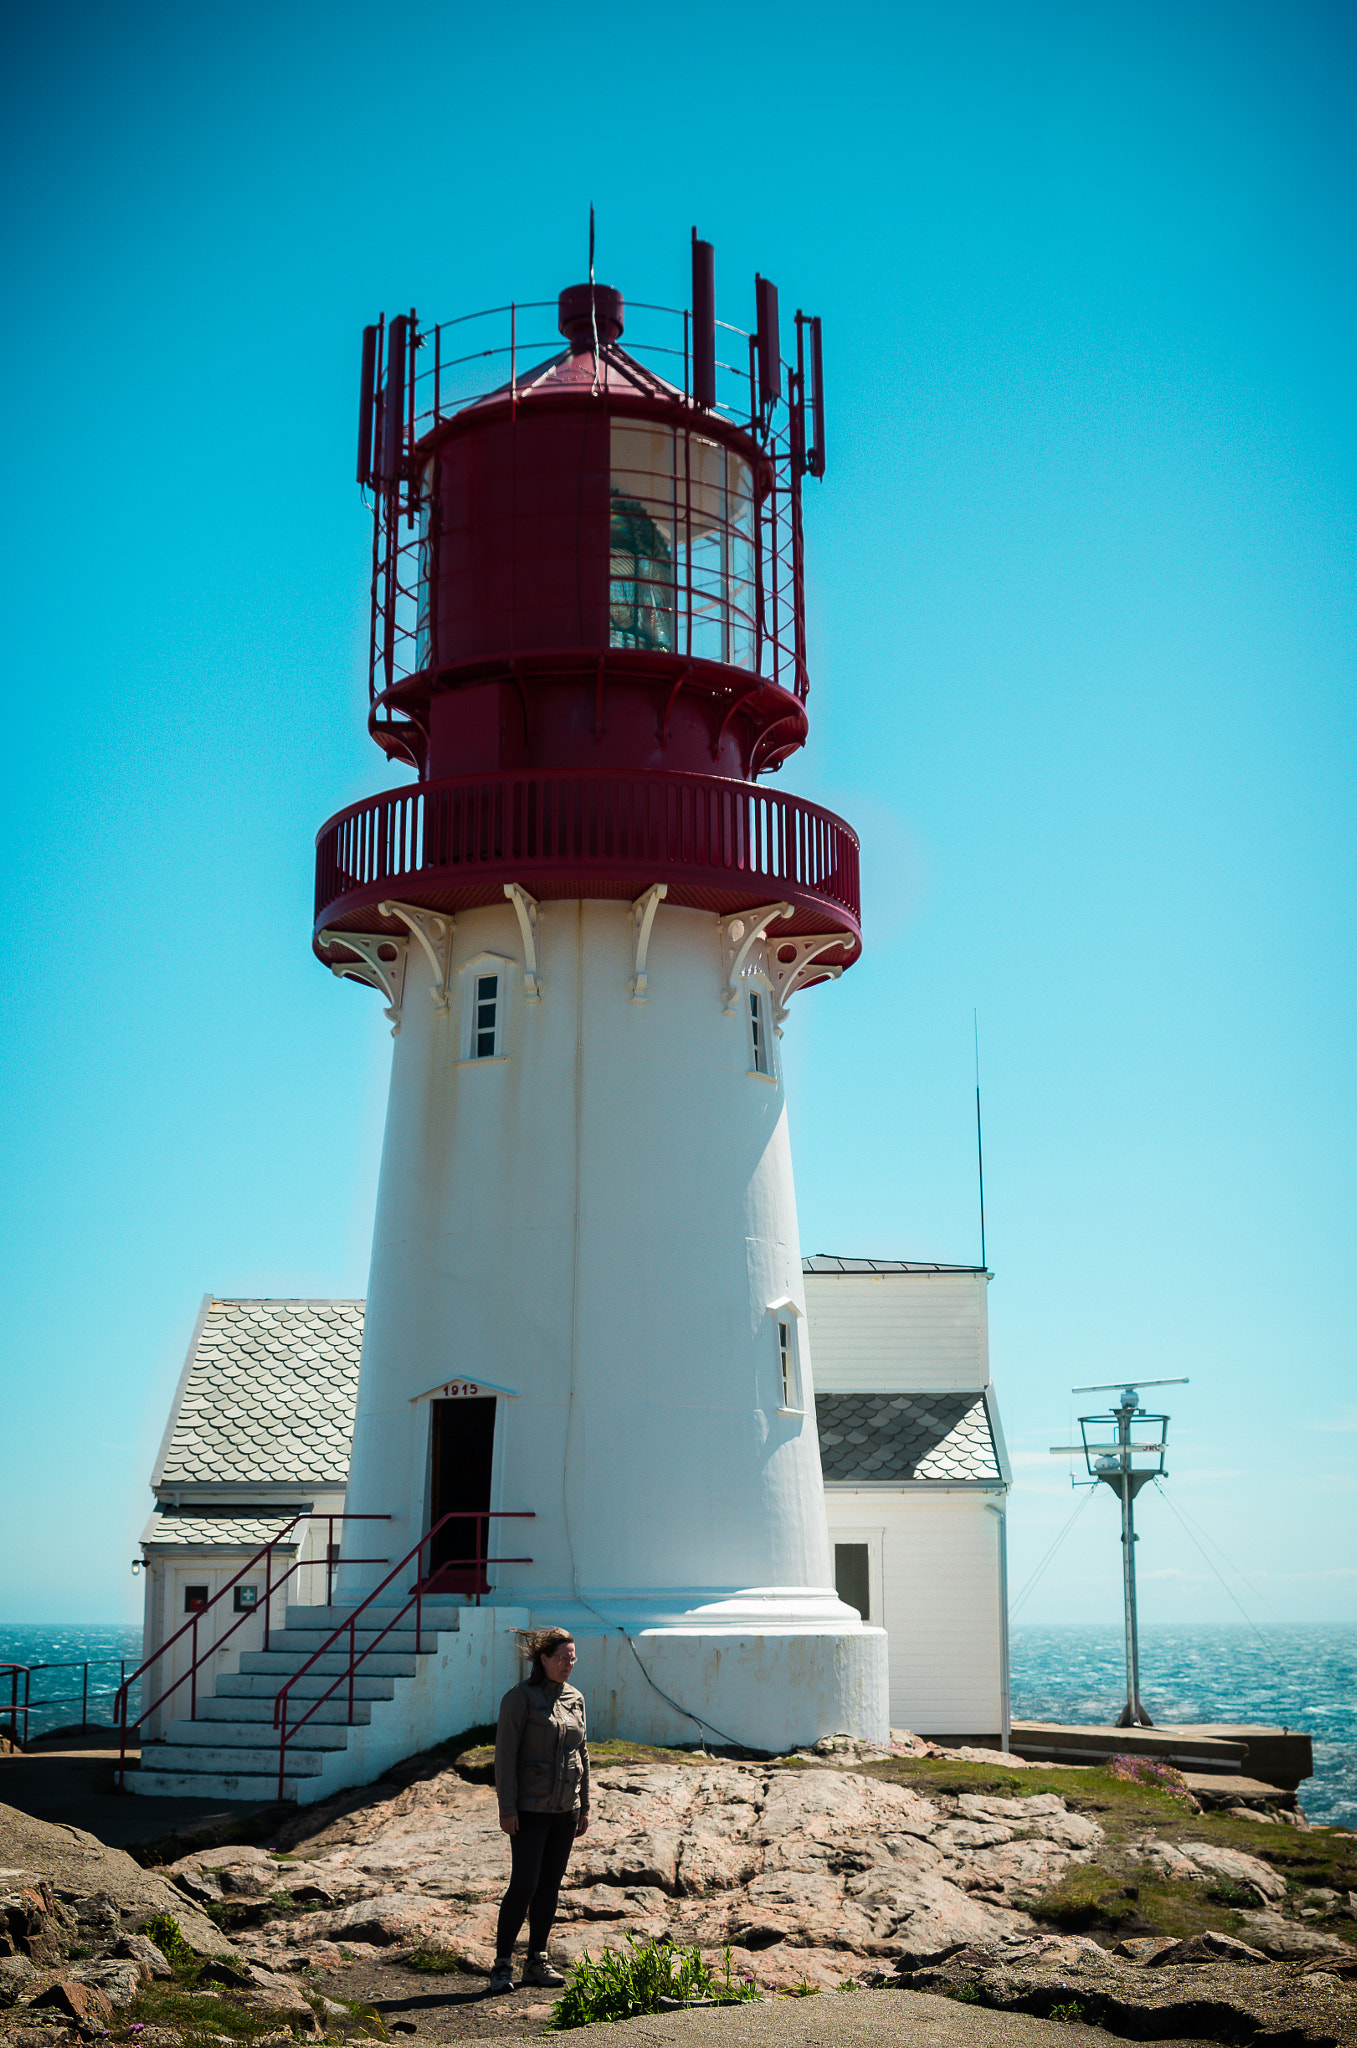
x,y
1192,1539
1013,1609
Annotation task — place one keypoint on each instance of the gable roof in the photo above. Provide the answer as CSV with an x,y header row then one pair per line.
x,y
894,1437
267,1396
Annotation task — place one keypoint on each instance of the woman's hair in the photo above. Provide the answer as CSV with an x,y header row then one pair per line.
x,y
538,1643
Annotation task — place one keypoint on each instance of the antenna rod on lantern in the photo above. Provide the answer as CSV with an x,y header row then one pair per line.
x,y
593,302
979,1143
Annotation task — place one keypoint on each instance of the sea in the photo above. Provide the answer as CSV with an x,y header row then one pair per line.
x,y
1302,1677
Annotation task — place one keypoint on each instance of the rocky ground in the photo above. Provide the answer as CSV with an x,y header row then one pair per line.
x,y
1064,1894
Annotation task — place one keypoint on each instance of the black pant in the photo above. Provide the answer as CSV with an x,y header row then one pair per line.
x,y
540,1851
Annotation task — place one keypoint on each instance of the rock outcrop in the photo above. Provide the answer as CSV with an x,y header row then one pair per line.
x,y
814,1873
1208,1987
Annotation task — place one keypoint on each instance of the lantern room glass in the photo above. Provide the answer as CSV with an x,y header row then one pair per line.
x,y
681,570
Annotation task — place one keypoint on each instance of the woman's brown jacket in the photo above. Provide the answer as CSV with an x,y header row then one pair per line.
x,y
541,1750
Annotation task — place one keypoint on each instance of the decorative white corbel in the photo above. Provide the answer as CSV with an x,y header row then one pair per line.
x,y
527,909
740,935
434,932
386,976
642,924
789,975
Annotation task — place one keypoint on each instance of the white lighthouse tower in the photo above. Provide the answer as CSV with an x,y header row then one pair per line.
x,y
585,1374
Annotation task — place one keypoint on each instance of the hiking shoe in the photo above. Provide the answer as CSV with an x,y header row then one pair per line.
x,y
538,1971
502,1976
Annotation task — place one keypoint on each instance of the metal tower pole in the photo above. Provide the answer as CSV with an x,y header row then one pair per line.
x,y
1133,1715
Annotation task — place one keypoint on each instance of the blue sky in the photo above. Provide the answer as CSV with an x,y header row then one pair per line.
x,y
1082,632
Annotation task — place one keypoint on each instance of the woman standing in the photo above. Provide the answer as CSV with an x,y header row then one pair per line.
x,y
542,1780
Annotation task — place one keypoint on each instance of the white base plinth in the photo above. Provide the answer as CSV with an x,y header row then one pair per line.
x,y
769,1668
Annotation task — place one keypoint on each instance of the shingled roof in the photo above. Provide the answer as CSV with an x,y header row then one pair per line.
x,y
892,1437
267,1396
219,1532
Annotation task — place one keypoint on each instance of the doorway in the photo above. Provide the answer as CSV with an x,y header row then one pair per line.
x,y
463,1460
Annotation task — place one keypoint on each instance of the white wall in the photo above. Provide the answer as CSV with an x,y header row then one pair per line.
x,y
599,1223
171,1569
894,1333
937,1559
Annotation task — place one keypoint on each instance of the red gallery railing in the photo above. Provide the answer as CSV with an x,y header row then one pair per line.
x,y
704,835
190,1628
456,1575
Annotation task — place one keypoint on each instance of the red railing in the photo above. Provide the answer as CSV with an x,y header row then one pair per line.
x,y
190,1628
13,1710
696,832
440,1578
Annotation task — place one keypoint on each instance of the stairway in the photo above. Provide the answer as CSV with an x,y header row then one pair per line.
x,y
404,1700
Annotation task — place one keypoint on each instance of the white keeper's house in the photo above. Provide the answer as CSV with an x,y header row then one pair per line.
x,y
911,1447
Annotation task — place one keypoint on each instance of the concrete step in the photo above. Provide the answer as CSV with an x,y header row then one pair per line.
x,y
258,1685
285,1665
304,1642
258,1787
256,1709
254,1735
440,1613
223,1760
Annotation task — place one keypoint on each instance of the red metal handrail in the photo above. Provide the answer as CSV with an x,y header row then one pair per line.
x,y
416,1600
271,1586
14,1709
702,833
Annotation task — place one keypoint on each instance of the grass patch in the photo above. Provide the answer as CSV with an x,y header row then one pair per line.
x,y
1086,1897
366,2019
436,1962
1070,2013
1092,1899
476,1762
164,1930
198,2012
964,1994
621,1986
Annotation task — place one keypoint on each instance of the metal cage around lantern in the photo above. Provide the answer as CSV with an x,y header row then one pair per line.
x,y
706,464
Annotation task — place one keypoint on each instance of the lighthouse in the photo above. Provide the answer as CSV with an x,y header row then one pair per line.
x,y
585,1371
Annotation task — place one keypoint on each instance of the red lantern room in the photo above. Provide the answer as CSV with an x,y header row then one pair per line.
x,y
588,631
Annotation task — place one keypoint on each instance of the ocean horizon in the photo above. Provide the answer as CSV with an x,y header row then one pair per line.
x,y
1301,1676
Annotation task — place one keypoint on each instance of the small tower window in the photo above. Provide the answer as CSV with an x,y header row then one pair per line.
x,y
788,1361
760,1044
485,1021
484,986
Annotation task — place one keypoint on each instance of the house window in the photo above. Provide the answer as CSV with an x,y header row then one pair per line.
x,y
852,1576
195,1599
760,1044
789,1372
